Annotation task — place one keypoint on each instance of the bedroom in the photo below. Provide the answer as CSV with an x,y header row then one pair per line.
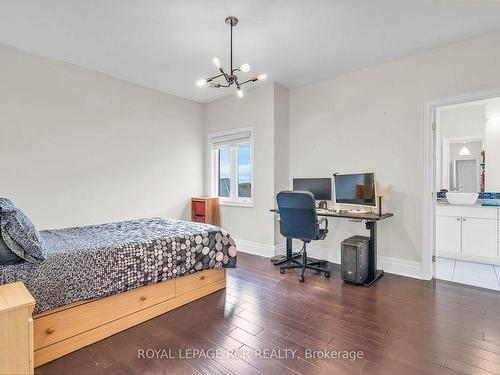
x,y
102,122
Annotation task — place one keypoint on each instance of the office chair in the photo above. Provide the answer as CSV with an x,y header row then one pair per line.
x,y
298,219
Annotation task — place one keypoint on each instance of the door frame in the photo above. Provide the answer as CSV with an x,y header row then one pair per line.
x,y
429,173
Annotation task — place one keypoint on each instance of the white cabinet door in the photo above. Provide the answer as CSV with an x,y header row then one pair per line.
x,y
448,234
479,237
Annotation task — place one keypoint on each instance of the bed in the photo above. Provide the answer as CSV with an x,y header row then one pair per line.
x,y
85,263
98,280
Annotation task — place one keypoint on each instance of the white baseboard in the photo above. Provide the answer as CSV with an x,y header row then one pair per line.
x,y
396,266
320,252
257,248
401,267
280,249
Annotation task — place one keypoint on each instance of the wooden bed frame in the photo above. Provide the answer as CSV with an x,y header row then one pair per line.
x,y
32,341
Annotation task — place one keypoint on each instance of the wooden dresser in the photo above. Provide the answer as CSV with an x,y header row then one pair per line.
x,y
205,210
16,333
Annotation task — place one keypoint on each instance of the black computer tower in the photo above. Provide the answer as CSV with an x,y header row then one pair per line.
x,y
354,259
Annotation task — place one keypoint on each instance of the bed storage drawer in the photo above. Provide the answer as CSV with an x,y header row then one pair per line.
x,y
60,325
61,332
197,280
126,303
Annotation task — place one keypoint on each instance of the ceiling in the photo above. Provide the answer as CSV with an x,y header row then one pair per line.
x,y
168,44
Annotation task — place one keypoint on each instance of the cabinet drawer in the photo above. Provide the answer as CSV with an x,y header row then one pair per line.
x,y
49,329
185,284
126,303
199,208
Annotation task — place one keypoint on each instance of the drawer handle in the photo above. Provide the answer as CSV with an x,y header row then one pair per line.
x,y
50,331
202,278
143,298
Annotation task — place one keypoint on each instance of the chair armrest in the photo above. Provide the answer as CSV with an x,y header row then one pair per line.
x,y
323,220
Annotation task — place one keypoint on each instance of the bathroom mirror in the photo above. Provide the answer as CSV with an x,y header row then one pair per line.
x,y
468,147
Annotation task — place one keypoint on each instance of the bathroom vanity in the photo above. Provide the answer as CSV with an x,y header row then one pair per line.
x,y
468,232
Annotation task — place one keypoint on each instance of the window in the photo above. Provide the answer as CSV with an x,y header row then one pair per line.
x,y
232,177
224,177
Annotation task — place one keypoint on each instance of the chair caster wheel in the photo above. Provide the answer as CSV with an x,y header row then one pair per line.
x,y
301,279
282,271
327,274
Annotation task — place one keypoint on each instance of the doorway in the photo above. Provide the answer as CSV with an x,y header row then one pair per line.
x,y
454,161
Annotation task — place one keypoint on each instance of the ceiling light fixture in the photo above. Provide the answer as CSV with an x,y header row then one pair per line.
x,y
464,151
230,78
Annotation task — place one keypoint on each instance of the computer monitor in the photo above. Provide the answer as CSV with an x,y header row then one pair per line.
x,y
356,189
321,188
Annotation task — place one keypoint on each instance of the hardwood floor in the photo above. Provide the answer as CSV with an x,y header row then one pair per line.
x,y
401,325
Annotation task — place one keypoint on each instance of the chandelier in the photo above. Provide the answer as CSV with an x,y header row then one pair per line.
x,y
230,78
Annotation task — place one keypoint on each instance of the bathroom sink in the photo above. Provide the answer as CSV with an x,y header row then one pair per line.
x,y
462,198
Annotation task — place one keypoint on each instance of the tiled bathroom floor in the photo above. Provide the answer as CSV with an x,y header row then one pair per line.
x,y
477,274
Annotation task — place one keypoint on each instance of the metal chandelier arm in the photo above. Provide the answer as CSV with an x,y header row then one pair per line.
x,y
249,80
223,73
217,85
214,77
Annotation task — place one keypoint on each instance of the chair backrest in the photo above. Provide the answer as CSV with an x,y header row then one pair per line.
x,y
297,210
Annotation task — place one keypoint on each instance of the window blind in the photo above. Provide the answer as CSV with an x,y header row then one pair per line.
x,y
228,140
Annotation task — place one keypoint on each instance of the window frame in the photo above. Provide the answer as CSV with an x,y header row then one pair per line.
x,y
233,199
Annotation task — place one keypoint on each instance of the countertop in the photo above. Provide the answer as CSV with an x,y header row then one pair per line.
x,y
478,204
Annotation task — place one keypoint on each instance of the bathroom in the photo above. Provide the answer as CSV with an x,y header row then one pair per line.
x,y
468,193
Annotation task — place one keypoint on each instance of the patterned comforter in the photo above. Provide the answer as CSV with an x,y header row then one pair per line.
x,y
90,262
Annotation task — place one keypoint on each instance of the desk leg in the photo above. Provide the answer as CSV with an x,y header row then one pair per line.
x,y
374,273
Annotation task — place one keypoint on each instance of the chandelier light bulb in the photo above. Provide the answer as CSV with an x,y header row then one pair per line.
x,y
240,92
261,77
216,62
245,68
201,82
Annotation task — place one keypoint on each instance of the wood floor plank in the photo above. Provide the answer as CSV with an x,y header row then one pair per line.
x,y
295,364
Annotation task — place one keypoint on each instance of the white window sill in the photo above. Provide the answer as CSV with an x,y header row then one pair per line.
x,y
236,203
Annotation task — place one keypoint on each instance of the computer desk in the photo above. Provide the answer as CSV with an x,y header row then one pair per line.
x,y
371,219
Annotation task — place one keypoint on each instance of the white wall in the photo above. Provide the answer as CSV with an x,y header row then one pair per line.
x,y
493,145
281,147
256,110
77,147
462,121
373,120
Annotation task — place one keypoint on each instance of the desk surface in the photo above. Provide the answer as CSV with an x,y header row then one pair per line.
x,y
370,216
